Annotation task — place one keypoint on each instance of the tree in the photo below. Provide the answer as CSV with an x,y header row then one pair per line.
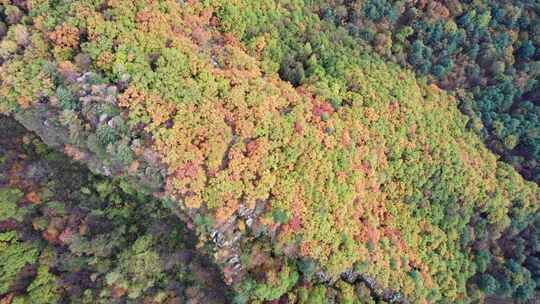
x,y
487,284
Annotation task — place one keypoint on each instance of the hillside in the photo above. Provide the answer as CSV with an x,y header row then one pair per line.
x,y
299,186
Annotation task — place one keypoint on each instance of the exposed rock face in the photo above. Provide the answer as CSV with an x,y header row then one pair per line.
x,y
76,134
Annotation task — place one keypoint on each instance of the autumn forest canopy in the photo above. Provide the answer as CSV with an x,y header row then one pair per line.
x,y
286,151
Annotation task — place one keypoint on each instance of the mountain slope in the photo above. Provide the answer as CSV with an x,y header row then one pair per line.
x,y
385,179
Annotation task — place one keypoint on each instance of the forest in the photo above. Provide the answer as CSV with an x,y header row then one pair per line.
x,y
285,151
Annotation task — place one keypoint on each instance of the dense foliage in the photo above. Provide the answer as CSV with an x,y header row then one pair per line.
x,y
309,167
488,52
